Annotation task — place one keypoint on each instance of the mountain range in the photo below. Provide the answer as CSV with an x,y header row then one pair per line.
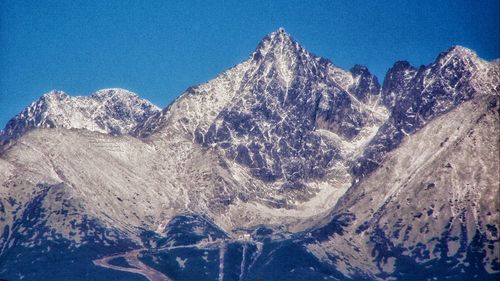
x,y
283,167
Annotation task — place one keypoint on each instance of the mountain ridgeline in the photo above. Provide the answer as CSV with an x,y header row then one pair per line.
x,y
284,167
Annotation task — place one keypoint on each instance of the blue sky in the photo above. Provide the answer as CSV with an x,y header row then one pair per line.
x,y
159,48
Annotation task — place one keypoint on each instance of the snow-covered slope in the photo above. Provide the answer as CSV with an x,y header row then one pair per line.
x,y
113,111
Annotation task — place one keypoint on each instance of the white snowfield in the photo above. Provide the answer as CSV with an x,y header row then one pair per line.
x,y
118,159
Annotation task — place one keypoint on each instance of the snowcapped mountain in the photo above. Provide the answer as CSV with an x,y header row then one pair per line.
x,y
293,167
112,111
276,124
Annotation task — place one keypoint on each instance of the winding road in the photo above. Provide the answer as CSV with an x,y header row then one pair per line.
x,y
137,266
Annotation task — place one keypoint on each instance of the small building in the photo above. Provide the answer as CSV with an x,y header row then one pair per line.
x,y
244,236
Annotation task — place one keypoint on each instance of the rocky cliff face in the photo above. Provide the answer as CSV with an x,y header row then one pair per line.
x,y
362,181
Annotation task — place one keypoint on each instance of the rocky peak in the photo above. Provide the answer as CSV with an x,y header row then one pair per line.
x,y
436,87
286,95
277,42
416,97
401,66
112,111
396,82
114,93
359,70
279,56
458,53
54,95
366,87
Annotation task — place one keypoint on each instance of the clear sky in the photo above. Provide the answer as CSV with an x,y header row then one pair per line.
x,y
159,48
